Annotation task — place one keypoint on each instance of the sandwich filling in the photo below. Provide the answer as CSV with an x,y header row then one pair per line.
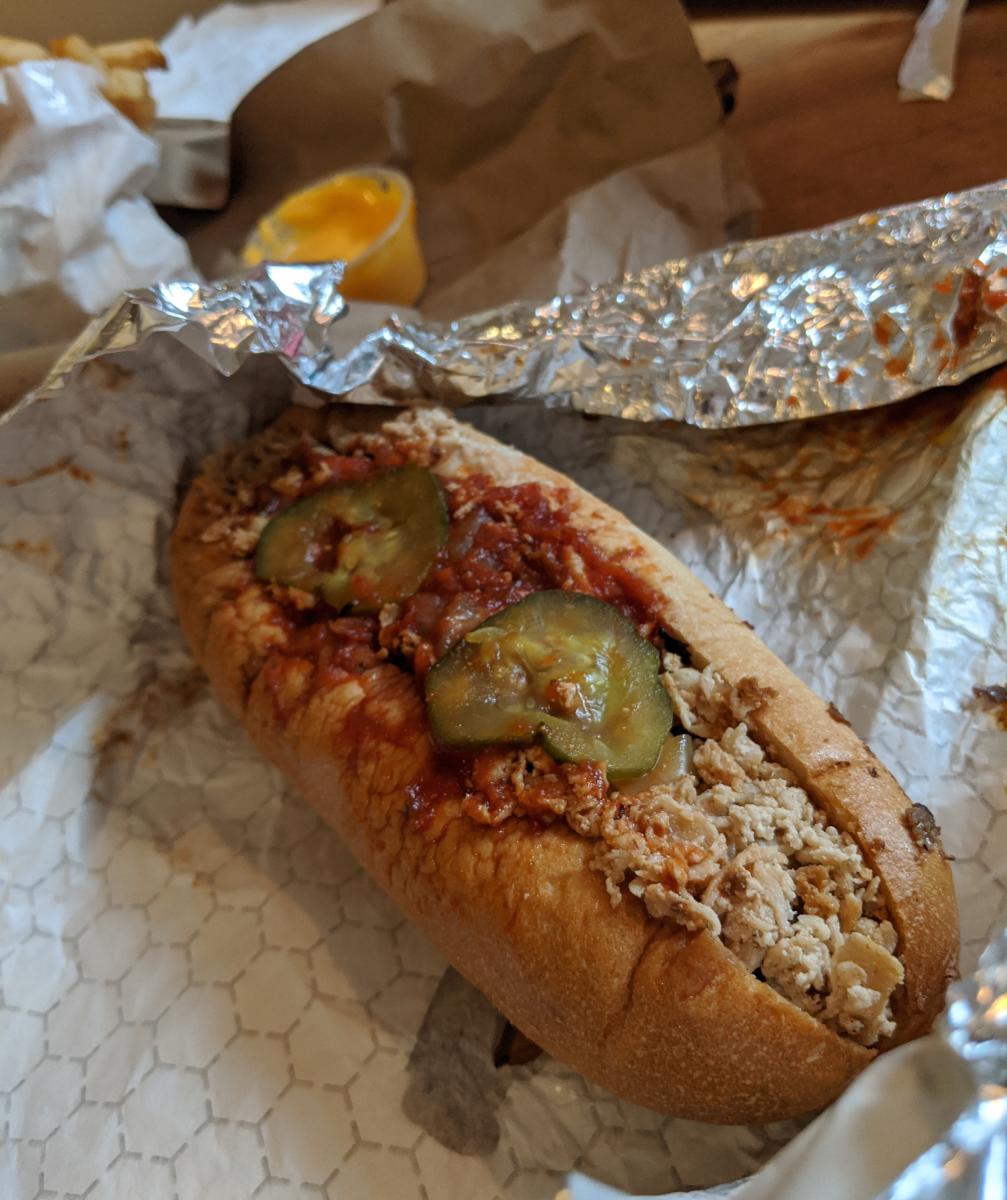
x,y
715,836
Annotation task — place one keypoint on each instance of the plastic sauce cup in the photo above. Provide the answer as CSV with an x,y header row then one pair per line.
x,y
365,217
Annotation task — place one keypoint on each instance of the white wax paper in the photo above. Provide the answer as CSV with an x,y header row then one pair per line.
x,y
927,72
932,1085
202,995
74,226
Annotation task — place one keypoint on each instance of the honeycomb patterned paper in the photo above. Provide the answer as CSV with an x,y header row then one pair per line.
x,y
202,995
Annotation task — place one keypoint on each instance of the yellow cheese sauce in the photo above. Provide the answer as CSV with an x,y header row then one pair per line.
x,y
365,218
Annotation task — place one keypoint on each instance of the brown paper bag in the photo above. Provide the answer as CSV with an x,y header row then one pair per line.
x,y
503,115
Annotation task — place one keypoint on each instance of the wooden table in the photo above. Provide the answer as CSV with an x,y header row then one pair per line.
x,y
818,112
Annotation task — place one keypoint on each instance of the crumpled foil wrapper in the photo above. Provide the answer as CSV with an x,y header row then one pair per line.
x,y
851,316
277,309
971,1162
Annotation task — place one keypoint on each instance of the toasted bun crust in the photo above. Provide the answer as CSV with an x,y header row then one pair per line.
x,y
664,1017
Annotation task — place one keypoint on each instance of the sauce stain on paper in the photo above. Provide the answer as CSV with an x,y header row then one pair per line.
x,y
44,554
122,737
61,464
993,699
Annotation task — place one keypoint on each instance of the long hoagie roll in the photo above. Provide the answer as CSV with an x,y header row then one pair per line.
x,y
658,853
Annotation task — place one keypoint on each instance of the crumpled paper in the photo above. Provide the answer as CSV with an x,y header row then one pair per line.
x,y
213,61
204,994
76,228
462,96
194,166
235,46
927,72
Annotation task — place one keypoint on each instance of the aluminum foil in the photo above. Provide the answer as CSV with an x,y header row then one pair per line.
x,y
851,316
971,1163
276,309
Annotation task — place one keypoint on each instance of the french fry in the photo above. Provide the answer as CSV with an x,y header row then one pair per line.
x,y
140,54
16,50
77,48
128,91
120,65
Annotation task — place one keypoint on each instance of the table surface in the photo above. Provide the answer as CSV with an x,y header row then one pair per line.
x,y
818,112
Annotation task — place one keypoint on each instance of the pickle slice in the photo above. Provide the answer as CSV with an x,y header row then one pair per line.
x,y
561,668
674,761
358,545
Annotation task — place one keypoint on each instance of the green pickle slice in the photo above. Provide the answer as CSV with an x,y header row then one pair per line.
x,y
561,668
358,545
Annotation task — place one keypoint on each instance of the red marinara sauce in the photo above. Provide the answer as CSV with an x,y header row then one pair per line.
x,y
503,544
443,778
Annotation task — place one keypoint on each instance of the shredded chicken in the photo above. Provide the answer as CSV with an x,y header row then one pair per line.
x,y
706,704
790,895
240,532
735,847
528,783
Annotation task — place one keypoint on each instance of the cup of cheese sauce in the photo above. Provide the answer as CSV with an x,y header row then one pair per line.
x,y
365,217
